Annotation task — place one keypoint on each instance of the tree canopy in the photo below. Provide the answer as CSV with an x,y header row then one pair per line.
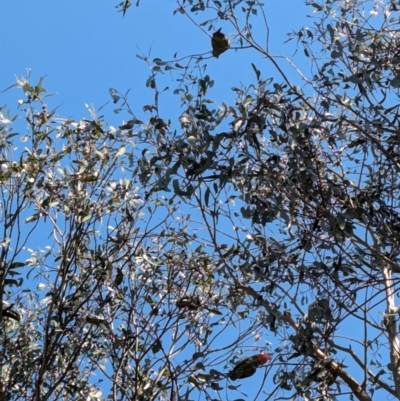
x,y
142,262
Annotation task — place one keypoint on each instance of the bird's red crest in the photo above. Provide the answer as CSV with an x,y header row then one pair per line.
x,y
262,358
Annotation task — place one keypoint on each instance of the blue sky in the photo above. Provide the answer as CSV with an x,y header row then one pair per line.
x,y
84,48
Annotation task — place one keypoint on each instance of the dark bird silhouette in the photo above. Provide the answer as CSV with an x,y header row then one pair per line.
x,y
246,367
220,43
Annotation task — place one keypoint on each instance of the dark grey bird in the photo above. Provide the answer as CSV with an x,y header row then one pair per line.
x,y
220,43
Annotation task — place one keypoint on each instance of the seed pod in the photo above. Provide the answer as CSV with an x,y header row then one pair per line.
x,y
220,43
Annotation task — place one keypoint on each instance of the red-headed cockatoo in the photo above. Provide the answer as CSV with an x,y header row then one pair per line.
x,y
246,367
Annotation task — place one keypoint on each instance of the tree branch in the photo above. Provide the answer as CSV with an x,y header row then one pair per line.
x,y
333,366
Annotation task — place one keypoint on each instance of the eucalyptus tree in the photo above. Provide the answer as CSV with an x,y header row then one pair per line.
x,y
305,172
169,248
99,295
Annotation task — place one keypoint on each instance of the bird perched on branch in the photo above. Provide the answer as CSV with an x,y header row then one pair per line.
x,y
220,43
246,367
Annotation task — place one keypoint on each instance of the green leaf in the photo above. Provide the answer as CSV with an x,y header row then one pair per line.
x,y
198,355
193,381
121,151
179,191
16,265
331,32
207,196
157,346
95,320
158,61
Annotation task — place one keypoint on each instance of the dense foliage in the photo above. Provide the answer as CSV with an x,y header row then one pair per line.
x,y
142,262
